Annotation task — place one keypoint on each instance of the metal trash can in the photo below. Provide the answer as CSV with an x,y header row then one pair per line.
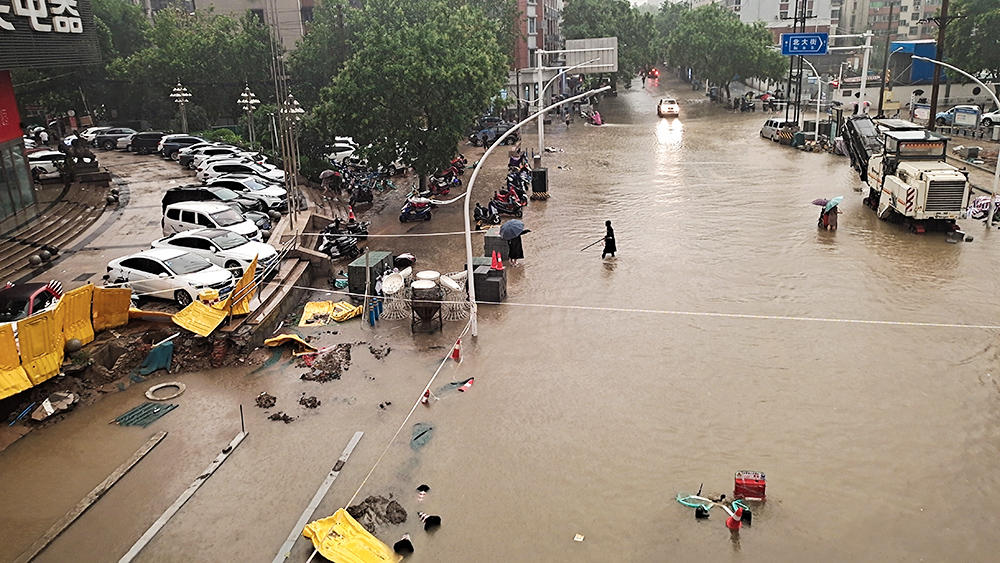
x,y
540,183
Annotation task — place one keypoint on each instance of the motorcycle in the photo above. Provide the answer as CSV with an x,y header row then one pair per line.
x,y
511,207
447,179
354,229
339,246
512,195
361,194
415,208
485,216
459,163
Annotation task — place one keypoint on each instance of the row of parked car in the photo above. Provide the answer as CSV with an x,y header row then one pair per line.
x,y
212,231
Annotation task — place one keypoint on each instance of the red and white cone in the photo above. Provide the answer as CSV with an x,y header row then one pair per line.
x,y
493,261
426,399
456,351
422,492
499,262
350,214
468,385
735,522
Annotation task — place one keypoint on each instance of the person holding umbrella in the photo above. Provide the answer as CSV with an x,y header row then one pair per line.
x,y
828,216
511,232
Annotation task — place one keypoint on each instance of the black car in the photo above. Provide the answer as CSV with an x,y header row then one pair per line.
x,y
492,133
209,193
108,140
145,142
170,146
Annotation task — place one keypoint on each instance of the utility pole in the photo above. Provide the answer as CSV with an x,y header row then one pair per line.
x,y
885,61
942,23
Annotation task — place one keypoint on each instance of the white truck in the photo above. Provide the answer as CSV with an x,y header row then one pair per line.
x,y
910,182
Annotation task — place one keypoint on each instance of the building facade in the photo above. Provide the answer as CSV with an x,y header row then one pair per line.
x,y
909,18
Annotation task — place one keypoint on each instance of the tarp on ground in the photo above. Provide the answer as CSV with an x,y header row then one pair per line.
x,y
200,318
301,347
13,378
77,320
340,538
319,313
158,358
111,305
40,340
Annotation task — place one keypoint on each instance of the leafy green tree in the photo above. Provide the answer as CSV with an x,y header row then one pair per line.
x,y
423,71
717,46
973,42
214,56
667,19
322,52
637,50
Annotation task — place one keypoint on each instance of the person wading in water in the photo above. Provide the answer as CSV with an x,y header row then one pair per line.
x,y
609,241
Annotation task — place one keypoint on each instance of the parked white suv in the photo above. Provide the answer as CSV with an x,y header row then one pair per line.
x,y
168,273
190,215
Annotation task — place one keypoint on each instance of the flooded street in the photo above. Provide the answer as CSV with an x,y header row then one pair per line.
x,y
728,334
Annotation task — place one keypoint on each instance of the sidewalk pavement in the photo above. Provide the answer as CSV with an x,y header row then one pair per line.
x,y
131,228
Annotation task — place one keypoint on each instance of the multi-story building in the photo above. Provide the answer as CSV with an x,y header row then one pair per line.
x,y
821,15
538,28
909,18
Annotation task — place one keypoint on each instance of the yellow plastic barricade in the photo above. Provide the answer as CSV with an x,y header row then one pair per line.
x,y
242,307
340,538
13,378
200,318
111,305
76,316
41,349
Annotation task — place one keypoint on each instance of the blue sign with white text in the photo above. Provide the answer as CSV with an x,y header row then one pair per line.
x,y
804,43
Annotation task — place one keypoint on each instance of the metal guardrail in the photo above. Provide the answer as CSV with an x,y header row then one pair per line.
x,y
260,276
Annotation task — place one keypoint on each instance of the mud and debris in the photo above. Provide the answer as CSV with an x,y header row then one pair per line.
x,y
282,417
377,511
384,405
379,352
329,365
309,402
266,401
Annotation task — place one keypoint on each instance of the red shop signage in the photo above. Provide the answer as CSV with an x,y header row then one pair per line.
x,y
10,121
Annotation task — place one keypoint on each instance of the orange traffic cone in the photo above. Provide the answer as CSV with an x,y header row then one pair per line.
x,y
735,521
499,262
493,260
350,214
425,399
456,351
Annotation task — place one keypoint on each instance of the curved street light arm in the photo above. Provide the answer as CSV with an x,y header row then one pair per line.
x,y
468,197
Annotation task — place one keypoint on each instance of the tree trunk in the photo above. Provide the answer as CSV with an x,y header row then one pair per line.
x,y
423,182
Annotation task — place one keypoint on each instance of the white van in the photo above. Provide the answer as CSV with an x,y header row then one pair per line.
x,y
773,126
188,215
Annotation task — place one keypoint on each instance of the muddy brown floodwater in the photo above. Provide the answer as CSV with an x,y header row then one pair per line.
x,y
728,334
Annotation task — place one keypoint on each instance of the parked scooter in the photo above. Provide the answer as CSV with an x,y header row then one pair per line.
x,y
485,216
339,246
353,228
415,209
361,194
510,207
459,163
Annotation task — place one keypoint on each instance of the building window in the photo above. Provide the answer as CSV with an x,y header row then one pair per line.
x,y
913,31
903,9
532,2
835,14
783,15
532,26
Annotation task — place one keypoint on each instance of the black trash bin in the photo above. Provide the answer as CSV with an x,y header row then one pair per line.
x,y
540,183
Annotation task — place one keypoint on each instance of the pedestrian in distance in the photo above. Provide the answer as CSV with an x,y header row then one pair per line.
x,y
609,241
44,137
486,140
515,250
831,218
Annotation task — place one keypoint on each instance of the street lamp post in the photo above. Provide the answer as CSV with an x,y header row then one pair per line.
x,y
181,95
819,92
996,172
249,102
468,196
291,114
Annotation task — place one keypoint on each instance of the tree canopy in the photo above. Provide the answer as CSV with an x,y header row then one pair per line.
x,y
973,41
717,46
422,72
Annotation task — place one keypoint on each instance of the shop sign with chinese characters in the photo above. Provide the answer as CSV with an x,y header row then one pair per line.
x,y
47,33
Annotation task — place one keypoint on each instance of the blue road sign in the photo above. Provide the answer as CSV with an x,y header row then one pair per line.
x,y
804,43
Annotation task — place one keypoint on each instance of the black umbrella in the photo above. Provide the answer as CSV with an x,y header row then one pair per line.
x,y
512,229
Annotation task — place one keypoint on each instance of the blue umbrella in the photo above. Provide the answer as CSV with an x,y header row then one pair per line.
x,y
511,229
833,203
